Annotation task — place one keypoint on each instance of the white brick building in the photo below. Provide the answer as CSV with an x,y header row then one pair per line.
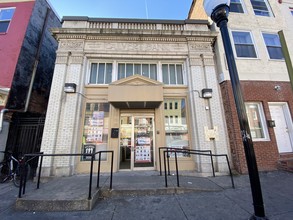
x,y
142,78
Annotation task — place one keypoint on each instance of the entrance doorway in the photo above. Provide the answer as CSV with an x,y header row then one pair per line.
x,y
136,142
284,128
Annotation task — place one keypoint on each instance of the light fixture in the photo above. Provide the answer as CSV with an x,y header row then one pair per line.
x,y
218,10
70,88
206,93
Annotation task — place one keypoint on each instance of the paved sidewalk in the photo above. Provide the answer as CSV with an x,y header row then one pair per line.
x,y
199,198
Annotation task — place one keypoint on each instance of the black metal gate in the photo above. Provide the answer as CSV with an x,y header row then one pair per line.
x,y
25,135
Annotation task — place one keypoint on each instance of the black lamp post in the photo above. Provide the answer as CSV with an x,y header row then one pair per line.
x,y
218,10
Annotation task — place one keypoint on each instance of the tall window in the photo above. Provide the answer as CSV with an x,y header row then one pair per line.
x,y
261,7
256,120
96,128
236,6
6,15
101,73
243,44
172,74
130,69
176,126
273,44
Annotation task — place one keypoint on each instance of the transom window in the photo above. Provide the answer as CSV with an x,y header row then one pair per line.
x,y
256,120
6,15
101,73
243,44
130,69
261,7
236,6
273,44
172,74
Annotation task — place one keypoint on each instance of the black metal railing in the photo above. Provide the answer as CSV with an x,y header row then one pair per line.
x,y
173,148
169,150
28,157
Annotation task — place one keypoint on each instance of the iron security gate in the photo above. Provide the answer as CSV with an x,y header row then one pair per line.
x,y
25,136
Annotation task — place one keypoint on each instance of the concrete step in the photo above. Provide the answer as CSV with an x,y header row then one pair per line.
x,y
286,164
71,193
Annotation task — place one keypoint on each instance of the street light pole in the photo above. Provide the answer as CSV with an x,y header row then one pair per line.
x,y
219,10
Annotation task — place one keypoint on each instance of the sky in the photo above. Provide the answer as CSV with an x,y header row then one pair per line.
x,y
144,9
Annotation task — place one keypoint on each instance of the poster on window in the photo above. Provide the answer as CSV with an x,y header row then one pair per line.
x,y
143,140
143,154
94,135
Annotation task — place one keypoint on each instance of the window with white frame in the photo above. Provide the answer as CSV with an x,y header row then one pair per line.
x,y
261,7
273,44
244,44
236,6
256,120
101,73
172,74
6,15
130,69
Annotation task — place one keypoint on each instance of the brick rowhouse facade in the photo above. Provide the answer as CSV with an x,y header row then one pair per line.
x,y
266,152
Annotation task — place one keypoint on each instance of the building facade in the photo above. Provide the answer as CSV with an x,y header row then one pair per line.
x,y
265,82
133,86
27,56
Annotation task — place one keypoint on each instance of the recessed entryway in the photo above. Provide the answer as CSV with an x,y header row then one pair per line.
x,y
136,142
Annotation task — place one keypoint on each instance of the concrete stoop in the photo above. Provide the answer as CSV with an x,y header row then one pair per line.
x,y
286,164
32,204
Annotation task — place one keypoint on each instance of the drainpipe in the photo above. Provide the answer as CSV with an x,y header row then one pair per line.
x,y
286,56
36,60
2,118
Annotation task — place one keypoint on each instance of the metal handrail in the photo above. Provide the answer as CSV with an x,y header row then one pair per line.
x,y
41,154
176,150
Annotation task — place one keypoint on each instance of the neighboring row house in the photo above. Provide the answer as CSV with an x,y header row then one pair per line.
x,y
27,56
268,96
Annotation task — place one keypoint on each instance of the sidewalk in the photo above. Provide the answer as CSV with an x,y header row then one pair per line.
x,y
143,195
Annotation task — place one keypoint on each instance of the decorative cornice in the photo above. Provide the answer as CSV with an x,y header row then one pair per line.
x,y
61,59
77,59
71,45
195,61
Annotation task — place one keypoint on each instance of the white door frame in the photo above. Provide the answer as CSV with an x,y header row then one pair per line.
x,y
138,115
288,119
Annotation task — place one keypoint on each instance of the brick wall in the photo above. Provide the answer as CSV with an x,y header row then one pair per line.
x,y
266,152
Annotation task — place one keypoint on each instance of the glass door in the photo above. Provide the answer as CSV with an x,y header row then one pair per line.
x,y
136,142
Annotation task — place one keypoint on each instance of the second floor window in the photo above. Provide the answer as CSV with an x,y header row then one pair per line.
x,y
236,6
273,44
101,73
172,74
243,44
130,69
261,7
6,15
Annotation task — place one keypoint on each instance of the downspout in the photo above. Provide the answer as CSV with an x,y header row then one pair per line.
x,y
2,118
286,56
36,60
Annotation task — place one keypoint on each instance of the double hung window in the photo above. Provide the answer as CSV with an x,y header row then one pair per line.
x,y
101,73
243,44
273,44
6,15
236,6
261,7
172,74
256,120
